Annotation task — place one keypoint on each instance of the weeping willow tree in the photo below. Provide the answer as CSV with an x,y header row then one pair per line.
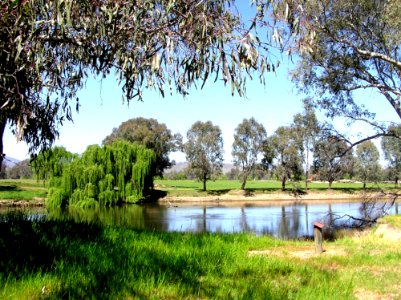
x,y
49,164
105,176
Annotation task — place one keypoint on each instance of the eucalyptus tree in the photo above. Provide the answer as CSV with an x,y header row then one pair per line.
x,y
249,138
391,147
49,48
204,150
348,47
367,166
21,170
333,158
306,128
282,151
152,135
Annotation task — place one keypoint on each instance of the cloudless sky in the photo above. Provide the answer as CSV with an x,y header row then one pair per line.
x,y
102,110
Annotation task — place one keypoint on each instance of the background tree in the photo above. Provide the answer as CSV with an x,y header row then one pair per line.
x,y
282,151
204,150
392,152
306,128
249,138
367,166
152,135
333,159
48,49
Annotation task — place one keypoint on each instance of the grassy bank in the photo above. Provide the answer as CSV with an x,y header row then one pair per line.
x,y
31,191
22,190
62,259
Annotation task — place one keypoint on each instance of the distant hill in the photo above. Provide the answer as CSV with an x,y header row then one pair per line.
x,y
181,166
10,162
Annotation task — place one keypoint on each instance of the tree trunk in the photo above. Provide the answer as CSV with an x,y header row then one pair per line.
x,y
2,127
307,167
204,182
244,181
283,181
306,179
364,184
330,183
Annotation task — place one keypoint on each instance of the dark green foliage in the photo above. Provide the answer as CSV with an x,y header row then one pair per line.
x,y
204,150
105,176
391,146
249,138
282,151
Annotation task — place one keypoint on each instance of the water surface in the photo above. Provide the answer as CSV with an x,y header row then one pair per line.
x,y
288,221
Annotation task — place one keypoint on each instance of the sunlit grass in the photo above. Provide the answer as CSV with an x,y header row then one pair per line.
x,y
63,259
22,189
194,187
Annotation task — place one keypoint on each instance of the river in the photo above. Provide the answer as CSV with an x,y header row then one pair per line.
x,y
289,221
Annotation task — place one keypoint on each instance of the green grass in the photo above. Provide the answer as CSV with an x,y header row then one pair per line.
x,y
194,188
30,189
22,189
393,220
63,259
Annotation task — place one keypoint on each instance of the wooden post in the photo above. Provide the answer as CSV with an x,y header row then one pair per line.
x,y
317,232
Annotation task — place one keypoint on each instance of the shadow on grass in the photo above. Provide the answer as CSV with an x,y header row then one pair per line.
x,y
216,192
9,188
85,259
155,196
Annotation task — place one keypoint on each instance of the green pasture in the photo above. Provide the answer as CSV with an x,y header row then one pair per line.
x,y
194,187
23,189
50,259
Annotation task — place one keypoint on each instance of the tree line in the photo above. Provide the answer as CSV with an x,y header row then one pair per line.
x,y
304,150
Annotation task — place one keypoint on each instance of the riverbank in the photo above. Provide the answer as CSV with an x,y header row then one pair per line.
x,y
240,196
55,259
23,193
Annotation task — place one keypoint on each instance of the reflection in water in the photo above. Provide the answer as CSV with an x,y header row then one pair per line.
x,y
282,221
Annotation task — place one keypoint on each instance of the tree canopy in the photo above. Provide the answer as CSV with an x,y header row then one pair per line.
x,y
249,138
105,176
282,150
49,48
391,147
332,158
204,150
152,135
367,166
351,46
306,129
50,163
